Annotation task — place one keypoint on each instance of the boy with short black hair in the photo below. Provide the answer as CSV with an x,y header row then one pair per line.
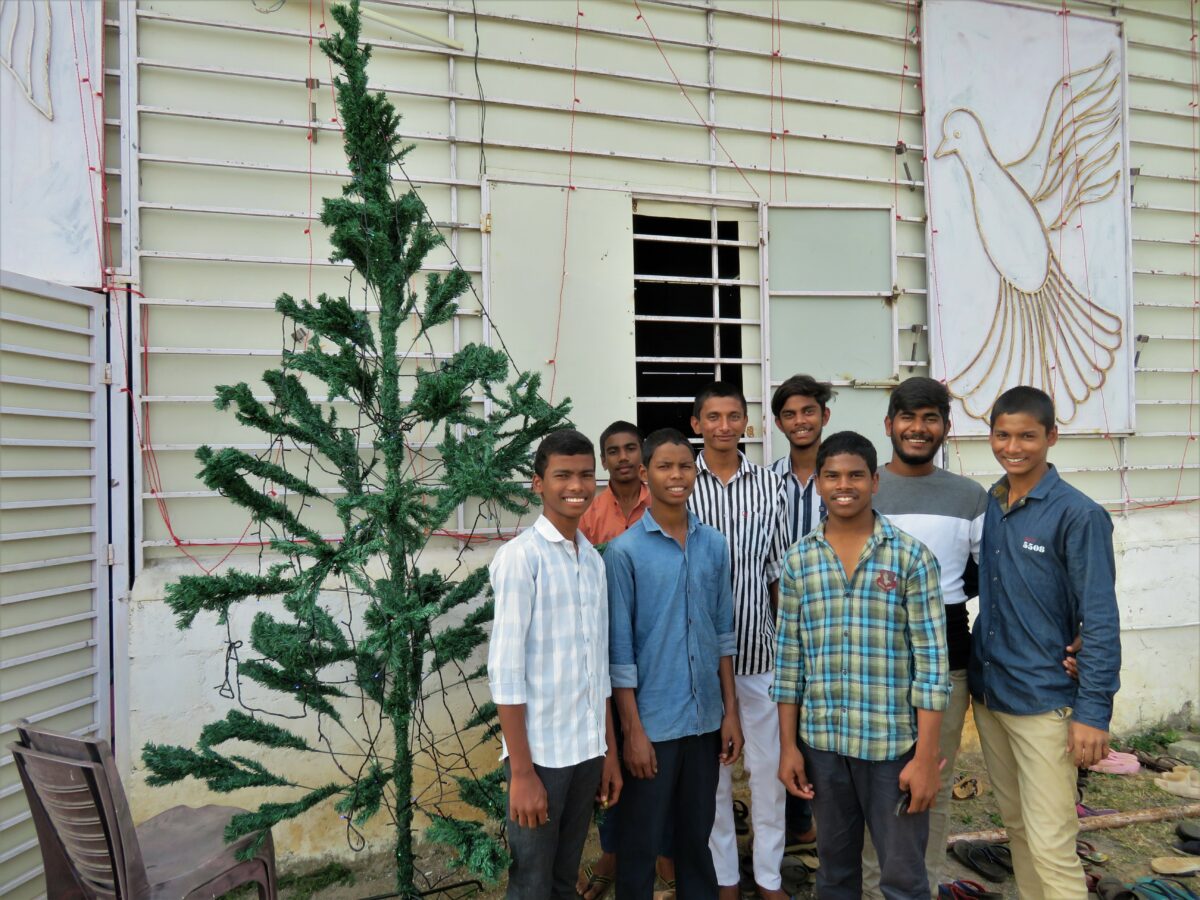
x,y
801,409
549,652
747,504
1046,574
626,498
944,511
861,667
671,655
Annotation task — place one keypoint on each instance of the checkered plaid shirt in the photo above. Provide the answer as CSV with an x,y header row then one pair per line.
x,y
860,656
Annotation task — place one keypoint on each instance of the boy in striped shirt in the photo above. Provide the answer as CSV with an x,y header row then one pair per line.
x,y
861,666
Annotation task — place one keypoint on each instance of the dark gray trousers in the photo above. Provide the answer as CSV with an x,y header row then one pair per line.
x,y
679,803
545,860
848,794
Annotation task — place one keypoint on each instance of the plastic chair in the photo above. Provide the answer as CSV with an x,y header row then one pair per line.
x,y
90,848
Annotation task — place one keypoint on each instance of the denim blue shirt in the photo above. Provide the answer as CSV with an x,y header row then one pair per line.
x,y
1046,573
670,622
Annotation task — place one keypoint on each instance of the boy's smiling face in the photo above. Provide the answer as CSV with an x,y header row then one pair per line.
x,y
917,435
801,421
846,484
722,422
1021,444
567,487
670,475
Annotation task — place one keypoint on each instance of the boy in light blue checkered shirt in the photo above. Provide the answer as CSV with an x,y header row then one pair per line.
x,y
861,678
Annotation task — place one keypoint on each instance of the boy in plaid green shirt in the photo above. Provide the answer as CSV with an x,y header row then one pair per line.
x,y
861,679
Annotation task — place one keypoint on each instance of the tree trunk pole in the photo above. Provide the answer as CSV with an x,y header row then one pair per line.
x,y
1094,823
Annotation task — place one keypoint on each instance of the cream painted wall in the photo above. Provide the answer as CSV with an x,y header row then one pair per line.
x,y
222,200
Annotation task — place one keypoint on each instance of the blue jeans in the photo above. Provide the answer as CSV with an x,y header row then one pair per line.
x,y
852,793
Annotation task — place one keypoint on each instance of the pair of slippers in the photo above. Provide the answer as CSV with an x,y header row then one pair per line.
x,y
1110,888
1157,763
992,861
1182,781
1189,844
966,890
1118,763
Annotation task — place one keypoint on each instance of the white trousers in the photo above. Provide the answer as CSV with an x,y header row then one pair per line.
x,y
760,757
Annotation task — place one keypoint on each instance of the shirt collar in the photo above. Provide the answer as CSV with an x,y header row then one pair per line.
x,y
651,524
1040,491
742,469
643,496
546,529
884,530
783,468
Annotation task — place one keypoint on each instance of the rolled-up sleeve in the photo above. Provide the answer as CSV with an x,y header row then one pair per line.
x,y
622,659
512,588
1092,576
788,686
927,634
726,636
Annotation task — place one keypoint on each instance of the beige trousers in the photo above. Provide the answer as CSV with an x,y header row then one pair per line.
x,y
939,817
1034,780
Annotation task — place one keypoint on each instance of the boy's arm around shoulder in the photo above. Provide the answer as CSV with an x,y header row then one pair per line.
x,y
1091,576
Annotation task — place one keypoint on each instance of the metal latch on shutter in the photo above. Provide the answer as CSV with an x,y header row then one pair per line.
x,y
106,378
110,557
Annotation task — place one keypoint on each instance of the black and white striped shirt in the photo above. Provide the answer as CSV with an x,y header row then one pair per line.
x,y
751,511
806,509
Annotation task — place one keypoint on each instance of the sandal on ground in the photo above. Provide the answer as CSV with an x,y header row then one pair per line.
x,y
741,817
1161,889
803,853
1191,848
1189,829
1175,865
1112,888
1179,773
1084,811
966,890
1087,851
1156,762
603,882
1117,763
978,856
1181,783
966,786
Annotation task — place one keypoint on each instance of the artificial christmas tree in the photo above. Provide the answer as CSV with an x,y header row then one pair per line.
x,y
361,641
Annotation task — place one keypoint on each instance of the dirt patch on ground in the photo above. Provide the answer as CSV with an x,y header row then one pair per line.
x,y
1129,849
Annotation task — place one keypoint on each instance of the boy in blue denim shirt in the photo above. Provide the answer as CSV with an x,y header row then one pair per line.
x,y
671,646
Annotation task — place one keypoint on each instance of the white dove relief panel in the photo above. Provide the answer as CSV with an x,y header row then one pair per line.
x,y
49,148
1028,211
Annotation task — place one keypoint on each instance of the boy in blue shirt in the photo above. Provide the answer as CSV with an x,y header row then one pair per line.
x,y
1046,574
671,647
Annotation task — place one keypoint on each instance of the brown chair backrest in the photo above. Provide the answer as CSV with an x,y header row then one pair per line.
x,y
75,797
61,882
94,750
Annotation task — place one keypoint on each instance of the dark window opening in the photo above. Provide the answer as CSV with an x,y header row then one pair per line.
x,y
666,385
